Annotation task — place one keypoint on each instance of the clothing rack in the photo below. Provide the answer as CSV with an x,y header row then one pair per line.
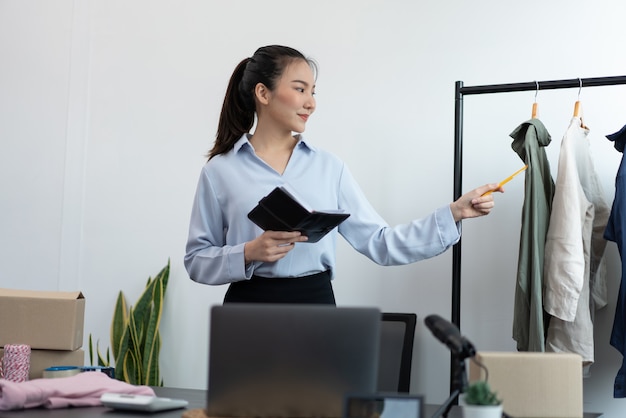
x,y
461,91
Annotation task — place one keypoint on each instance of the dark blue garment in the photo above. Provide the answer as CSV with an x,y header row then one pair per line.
x,y
615,230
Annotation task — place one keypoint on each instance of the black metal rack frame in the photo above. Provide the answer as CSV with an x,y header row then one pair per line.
x,y
460,92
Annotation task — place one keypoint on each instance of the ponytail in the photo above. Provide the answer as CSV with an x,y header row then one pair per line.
x,y
237,116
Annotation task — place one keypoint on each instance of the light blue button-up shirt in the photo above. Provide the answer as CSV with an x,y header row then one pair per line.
x,y
231,184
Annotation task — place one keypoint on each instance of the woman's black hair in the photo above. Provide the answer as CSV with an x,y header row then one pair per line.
x,y
266,66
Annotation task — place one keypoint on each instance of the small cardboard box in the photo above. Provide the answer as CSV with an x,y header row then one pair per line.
x,y
534,385
43,320
42,359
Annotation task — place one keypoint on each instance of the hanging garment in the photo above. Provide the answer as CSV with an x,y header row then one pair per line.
x,y
529,140
575,267
615,231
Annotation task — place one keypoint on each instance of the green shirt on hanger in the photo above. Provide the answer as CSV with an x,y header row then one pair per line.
x,y
529,318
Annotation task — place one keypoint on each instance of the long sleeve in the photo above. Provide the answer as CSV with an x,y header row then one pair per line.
x,y
370,235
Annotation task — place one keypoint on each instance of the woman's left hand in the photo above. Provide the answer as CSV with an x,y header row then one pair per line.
x,y
475,203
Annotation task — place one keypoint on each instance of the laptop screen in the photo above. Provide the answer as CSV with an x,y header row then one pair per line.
x,y
294,361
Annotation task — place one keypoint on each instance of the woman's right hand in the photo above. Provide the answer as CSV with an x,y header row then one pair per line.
x,y
271,246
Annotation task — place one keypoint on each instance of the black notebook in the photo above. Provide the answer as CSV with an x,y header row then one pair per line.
x,y
281,210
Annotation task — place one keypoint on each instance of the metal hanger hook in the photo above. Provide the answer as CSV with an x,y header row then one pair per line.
x,y
580,86
537,90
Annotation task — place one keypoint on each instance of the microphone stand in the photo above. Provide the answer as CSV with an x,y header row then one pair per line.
x,y
459,382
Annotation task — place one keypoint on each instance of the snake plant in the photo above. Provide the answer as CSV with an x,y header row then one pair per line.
x,y
135,337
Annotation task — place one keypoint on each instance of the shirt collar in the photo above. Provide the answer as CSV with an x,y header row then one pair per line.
x,y
245,141
619,138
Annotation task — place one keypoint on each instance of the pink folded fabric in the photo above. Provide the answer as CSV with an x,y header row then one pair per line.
x,y
83,389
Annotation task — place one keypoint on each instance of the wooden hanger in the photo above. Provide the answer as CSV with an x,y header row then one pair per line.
x,y
534,112
578,107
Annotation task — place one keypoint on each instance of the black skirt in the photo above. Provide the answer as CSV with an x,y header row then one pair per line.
x,y
314,289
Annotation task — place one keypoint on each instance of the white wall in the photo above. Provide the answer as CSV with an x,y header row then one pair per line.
x,y
107,108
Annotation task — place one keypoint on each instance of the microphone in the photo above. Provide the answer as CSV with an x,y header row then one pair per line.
x,y
449,334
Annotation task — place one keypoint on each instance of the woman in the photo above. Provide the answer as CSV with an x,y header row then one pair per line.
x,y
278,85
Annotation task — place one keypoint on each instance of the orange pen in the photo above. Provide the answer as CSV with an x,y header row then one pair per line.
x,y
506,180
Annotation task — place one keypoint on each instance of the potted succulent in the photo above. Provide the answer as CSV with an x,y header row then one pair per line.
x,y
479,401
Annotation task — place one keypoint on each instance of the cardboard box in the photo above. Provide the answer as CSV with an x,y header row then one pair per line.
x,y
42,359
43,320
534,385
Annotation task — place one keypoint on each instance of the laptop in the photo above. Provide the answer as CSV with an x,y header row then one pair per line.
x,y
297,361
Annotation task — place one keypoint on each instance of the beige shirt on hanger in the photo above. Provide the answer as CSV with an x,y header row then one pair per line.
x,y
574,266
